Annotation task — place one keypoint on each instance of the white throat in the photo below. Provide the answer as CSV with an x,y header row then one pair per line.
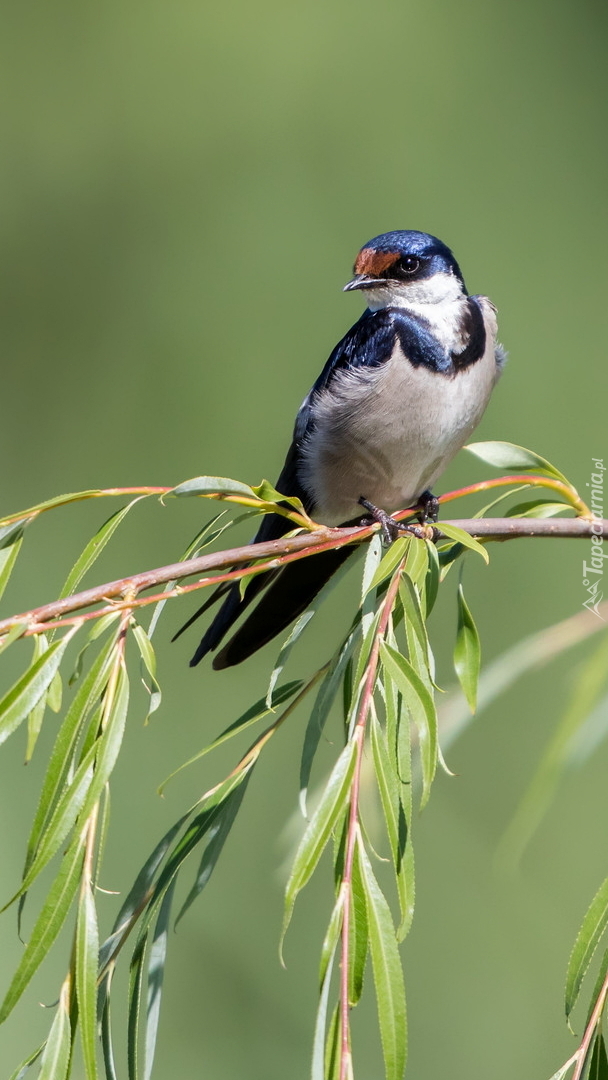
x,y
439,300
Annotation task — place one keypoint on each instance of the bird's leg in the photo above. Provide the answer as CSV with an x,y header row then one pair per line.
x,y
429,508
390,527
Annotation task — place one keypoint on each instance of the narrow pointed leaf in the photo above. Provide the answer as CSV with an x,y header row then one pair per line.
x,y
28,690
8,558
505,455
56,1057
267,493
358,935
24,1067
331,936
390,561
467,651
84,700
136,982
420,702
389,786
156,972
12,635
207,485
35,718
318,1048
286,648
414,619
148,657
312,845
538,508
95,547
462,537
48,924
388,974
107,1048
217,835
598,1063
587,940
138,894
87,954
319,714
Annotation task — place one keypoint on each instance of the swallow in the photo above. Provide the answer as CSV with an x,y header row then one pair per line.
x,y
398,397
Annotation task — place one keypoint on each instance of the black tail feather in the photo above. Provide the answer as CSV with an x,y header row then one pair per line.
x,y
293,589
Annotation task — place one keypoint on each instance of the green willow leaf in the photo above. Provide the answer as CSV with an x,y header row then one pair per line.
x,y
414,619
537,508
332,935
56,1058
198,828
57,500
95,547
35,718
87,953
89,780
419,701
12,635
207,485
598,1060
467,651
389,786
138,895
358,935
148,658
61,758
267,493
8,558
320,828
388,974
506,455
396,552
156,971
25,1065
319,714
107,1048
48,924
318,1048
417,562
432,577
587,940
19,701
217,835
285,650
332,1049
462,537
109,742
136,983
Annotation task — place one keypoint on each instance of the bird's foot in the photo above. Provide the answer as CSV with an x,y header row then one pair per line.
x,y
391,528
429,508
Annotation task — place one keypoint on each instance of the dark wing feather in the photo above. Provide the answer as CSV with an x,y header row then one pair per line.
x,y
368,343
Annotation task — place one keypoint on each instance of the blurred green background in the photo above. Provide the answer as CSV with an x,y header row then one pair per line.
x,y
184,189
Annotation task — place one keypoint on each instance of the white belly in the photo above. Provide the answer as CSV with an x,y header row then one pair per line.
x,y
387,433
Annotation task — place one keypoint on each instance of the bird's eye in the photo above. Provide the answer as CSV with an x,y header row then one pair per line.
x,y
409,264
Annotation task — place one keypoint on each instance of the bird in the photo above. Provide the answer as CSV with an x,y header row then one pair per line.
x,y
398,397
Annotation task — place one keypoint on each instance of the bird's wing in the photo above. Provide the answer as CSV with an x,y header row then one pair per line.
x,y
368,343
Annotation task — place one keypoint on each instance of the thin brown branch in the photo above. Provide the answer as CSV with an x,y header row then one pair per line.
x,y
353,817
278,553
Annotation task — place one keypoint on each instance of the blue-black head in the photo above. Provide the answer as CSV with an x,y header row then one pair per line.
x,y
396,260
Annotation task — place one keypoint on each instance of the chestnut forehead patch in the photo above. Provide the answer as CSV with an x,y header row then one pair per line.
x,y
374,262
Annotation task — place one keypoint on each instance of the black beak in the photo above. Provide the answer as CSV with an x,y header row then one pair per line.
x,y
363,281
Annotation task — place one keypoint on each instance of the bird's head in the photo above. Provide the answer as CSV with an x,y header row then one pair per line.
x,y
406,269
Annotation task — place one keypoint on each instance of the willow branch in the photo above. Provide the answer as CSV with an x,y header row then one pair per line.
x,y
124,592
